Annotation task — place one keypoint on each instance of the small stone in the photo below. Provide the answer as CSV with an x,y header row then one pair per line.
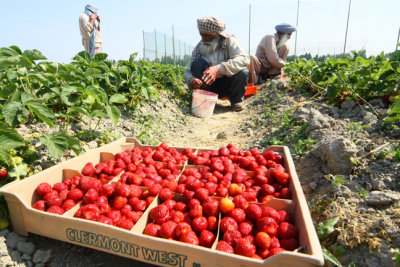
x,y
41,256
4,232
26,257
15,255
26,247
13,239
222,135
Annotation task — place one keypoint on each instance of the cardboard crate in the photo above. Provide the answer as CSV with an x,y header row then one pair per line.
x,y
20,197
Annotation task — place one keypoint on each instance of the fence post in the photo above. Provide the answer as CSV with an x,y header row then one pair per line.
x,y
144,48
173,43
165,49
397,43
297,27
347,26
249,26
155,40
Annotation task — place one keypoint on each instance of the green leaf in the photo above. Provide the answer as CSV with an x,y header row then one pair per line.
x,y
12,111
9,61
73,143
12,74
19,171
329,257
327,227
98,113
43,112
4,157
66,92
113,113
117,98
34,55
144,92
100,56
56,144
80,110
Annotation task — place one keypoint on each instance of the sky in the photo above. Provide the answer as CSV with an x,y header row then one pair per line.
x,y
52,26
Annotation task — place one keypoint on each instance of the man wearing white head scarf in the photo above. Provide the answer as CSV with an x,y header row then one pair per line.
x,y
218,63
271,54
89,25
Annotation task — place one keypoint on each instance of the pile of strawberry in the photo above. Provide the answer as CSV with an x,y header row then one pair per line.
x,y
255,230
119,203
256,176
193,222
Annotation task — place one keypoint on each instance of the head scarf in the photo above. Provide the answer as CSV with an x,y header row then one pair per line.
x,y
212,24
285,28
89,10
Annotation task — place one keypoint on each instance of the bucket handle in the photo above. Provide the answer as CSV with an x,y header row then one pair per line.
x,y
200,104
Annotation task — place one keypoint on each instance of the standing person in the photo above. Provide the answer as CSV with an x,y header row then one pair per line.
x,y
218,63
89,25
271,53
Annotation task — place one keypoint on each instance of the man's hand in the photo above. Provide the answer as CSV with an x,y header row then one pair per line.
x,y
93,16
98,18
209,75
196,83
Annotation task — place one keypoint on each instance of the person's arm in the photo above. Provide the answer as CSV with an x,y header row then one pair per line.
x,y
238,59
86,23
187,74
271,52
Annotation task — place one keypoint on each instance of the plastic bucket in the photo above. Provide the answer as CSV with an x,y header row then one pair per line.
x,y
203,103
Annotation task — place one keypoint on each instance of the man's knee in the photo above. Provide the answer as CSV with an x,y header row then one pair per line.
x,y
198,66
283,51
242,75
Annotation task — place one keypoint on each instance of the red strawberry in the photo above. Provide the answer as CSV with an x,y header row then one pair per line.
x,y
167,229
122,190
268,225
159,214
275,251
126,224
228,223
282,177
275,242
88,169
55,210
263,240
152,229
285,193
89,212
170,203
75,194
246,227
155,189
60,187
269,155
90,197
68,204
43,188
50,194
253,212
287,230
140,205
225,247
54,201
238,214
135,191
271,212
232,237
165,194
114,215
211,208
289,243
40,205
206,238
285,216
182,228
199,224
212,223
190,237
245,248
119,202
104,219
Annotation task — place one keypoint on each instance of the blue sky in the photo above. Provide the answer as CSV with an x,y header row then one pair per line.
x,y
52,26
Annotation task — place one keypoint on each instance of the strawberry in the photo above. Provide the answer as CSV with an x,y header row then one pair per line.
x,y
114,215
253,212
246,227
239,215
40,205
180,206
155,189
90,197
275,251
88,170
190,237
281,177
135,191
140,205
159,214
59,187
263,253
289,243
55,210
182,228
212,223
199,224
240,202
122,190
167,229
232,237
75,194
89,212
126,224
3,173
245,248
119,202
268,225
165,194
54,201
285,216
68,204
225,247
206,238
104,219
226,205
287,230
271,212
263,240
269,155
152,229
228,223
275,242
50,195
211,208
43,188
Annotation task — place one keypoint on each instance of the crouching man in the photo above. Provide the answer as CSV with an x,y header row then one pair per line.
x,y
218,63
